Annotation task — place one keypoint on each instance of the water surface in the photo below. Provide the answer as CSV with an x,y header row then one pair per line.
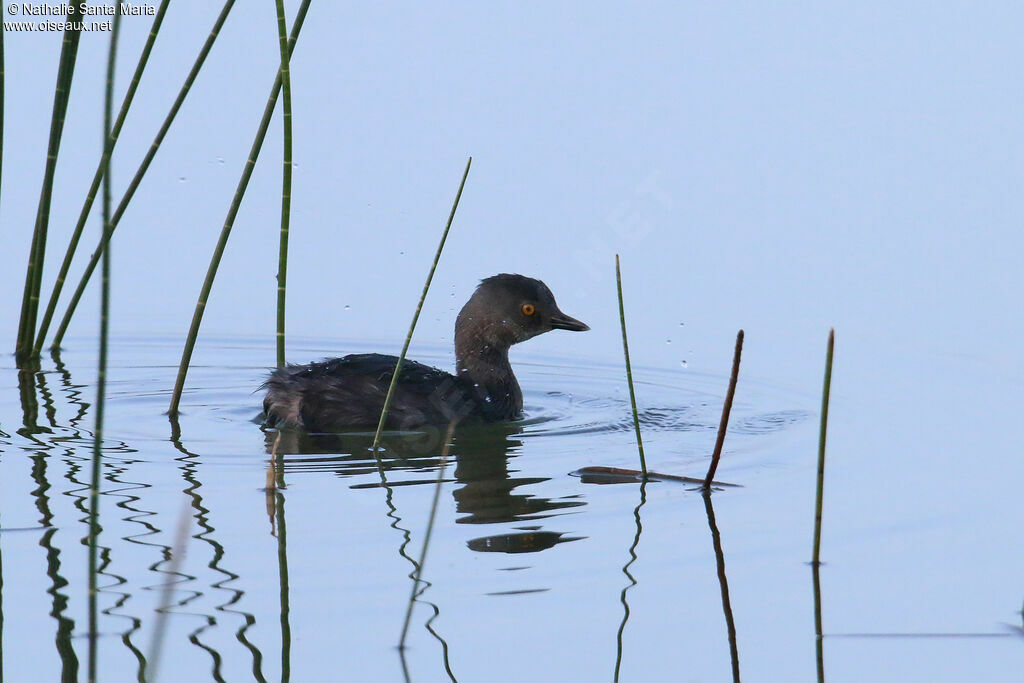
x,y
532,573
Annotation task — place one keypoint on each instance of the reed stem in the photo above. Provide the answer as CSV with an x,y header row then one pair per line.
x,y
101,375
286,180
416,317
90,197
236,202
34,272
726,409
629,370
140,173
822,431
430,530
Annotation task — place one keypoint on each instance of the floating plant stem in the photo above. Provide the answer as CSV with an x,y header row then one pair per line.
x,y
90,197
726,409
101,375
286,180
629,370
430,530
236,202
34,272
416,315
822,431
143,167
621,475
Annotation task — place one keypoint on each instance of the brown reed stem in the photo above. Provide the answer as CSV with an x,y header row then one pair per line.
x,y
726,409
822,431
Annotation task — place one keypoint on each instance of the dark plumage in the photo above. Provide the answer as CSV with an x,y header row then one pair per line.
x,y
349,392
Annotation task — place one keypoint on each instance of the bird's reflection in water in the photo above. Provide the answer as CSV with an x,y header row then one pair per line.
x,y
486,493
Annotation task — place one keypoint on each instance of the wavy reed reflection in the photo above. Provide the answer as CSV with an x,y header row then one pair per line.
x,y
189,472
59,604
51,440
632,580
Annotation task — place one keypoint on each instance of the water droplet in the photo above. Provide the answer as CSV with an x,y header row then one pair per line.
x,y
182,179
401,253
681,324
220,160
347,307
668,341
684,363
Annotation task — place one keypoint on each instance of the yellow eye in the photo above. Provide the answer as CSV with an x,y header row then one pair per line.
x,y
527,309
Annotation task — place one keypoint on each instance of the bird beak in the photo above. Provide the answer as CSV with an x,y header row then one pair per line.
x,y
561,321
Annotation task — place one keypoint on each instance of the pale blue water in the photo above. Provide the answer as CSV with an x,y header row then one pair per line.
x,y
526,566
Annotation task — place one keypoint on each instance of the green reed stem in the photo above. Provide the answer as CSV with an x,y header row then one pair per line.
x,y
726,409
90,197
34,272
286,180
236,202
629,369
140,173
822,431
430,530
101,375
416,315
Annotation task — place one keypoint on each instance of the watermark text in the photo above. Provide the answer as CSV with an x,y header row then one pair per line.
x,y
55,17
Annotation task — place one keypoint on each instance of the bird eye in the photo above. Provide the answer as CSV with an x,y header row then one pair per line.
x,y
527,309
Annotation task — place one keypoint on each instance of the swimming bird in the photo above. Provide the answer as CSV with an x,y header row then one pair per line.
x,y
347,393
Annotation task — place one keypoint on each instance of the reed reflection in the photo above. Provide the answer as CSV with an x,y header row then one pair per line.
x,y
73,395
40,460
819,644
730,624
189,467
279,530
632,580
